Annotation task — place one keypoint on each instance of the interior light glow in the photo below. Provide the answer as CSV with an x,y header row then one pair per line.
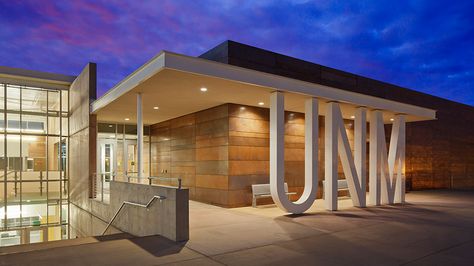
x,y
203,89
24,138
156,107
353,116
391,119
127,119
261,103
9,129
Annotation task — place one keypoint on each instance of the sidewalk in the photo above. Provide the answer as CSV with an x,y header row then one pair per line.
x,y
433,228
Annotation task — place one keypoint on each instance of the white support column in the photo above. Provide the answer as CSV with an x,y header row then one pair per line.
x,y
374,157
139,136
360,149
331,156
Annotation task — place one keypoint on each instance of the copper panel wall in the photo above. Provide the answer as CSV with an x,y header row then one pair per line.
x,y
222,151
440,153
194,148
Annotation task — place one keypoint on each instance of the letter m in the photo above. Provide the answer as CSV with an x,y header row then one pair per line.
x,y
386,170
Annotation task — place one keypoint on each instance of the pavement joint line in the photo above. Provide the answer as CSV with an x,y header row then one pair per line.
x,y
406,217
59,247
280,242
438,251
206,256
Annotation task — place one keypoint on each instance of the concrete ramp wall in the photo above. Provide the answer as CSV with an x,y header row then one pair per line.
x,y
168,217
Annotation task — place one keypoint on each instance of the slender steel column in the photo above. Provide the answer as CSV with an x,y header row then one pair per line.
x,y
139,136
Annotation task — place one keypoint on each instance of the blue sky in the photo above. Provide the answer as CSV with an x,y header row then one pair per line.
x,y
423,45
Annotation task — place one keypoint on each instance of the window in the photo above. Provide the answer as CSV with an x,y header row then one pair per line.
x,y
34,127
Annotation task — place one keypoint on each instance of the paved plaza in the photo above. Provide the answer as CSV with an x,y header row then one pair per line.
x,y
432,228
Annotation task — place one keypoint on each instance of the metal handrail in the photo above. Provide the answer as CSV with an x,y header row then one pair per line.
x,y
132,204
150,178
8,172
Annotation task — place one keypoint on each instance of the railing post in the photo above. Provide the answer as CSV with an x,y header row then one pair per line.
x,y
41,183
102,180
16,183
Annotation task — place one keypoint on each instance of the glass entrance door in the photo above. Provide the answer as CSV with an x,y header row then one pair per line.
x,y
131,153
107,161
106,168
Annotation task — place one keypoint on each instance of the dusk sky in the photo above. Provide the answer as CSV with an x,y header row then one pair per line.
x,y
423,45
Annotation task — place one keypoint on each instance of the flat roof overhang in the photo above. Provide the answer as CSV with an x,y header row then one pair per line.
x,y
25,77
173,81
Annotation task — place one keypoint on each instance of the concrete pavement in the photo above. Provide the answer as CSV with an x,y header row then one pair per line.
x,y
433,228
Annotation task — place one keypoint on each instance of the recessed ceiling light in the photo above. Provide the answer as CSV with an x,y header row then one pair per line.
x,y
156,107
391,119
352,117
126,119
261,103
111,126
203,89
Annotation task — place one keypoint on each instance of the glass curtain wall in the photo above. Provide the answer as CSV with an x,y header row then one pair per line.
x,y
34,190
117,156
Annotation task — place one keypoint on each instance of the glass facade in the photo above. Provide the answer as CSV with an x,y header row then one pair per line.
x,y
34,140
117,156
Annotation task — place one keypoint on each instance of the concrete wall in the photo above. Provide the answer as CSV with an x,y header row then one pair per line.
x,y
82,139
169,217
89,217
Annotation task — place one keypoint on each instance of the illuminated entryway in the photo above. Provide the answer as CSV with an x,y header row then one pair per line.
x,y
221,127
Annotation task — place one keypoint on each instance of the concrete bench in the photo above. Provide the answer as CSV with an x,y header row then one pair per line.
x,y
263,191
341,185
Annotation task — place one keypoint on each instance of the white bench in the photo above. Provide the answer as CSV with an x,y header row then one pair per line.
x,y
341,185
263,191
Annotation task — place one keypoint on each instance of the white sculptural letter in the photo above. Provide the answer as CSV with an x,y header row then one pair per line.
x,y
387,182
277,169
337,142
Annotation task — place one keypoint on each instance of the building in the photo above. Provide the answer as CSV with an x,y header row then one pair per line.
x,y
204,120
